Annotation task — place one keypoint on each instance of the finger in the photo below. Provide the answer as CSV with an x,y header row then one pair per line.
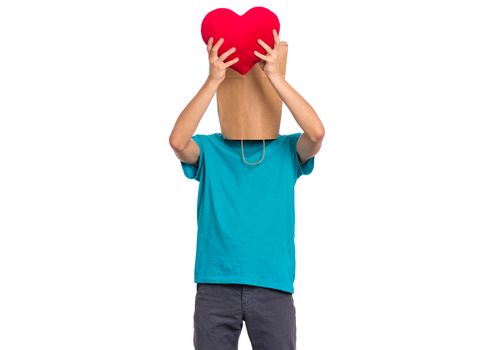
x,y
233,61
210,43
218,44
214,51
264,45
227,53
258,54
276,37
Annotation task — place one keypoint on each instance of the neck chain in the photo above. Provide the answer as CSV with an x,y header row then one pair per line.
x,y
263,155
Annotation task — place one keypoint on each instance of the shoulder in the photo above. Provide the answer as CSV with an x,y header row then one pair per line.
x,y
292,139
206,137
211,137
208,141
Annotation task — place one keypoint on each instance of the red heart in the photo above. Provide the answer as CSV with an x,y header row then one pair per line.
x,y
241,32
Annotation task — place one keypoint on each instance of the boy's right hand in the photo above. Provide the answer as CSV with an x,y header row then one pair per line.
x,y
217,65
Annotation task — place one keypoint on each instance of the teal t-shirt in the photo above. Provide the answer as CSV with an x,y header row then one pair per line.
x,y
245,213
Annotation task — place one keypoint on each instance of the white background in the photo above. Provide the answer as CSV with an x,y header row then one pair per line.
x,y
98,222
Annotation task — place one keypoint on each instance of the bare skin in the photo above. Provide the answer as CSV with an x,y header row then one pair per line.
x,y
309,143
185,148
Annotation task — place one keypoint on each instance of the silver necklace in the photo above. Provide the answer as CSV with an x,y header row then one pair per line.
x,y
263,155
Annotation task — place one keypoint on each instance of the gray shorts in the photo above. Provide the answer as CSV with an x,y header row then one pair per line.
x,y
220,310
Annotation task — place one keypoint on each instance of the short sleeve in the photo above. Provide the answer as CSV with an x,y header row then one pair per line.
x,y
300,169
194,171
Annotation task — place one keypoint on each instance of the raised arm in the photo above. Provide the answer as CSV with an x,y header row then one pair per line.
x,y
180,139
310,142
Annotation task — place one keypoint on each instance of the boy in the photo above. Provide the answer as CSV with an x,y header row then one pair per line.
x,y
245,261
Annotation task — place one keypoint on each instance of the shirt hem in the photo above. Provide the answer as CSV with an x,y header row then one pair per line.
x,y
242,280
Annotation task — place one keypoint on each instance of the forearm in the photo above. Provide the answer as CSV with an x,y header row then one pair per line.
x,y
301,110
188,120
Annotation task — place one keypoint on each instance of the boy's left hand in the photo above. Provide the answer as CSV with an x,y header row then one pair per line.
x,y
270,62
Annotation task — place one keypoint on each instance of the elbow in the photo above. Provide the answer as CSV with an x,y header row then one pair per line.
x,y
318,135
176,144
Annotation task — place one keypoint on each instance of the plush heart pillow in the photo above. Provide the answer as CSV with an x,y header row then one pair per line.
x,y
241,32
